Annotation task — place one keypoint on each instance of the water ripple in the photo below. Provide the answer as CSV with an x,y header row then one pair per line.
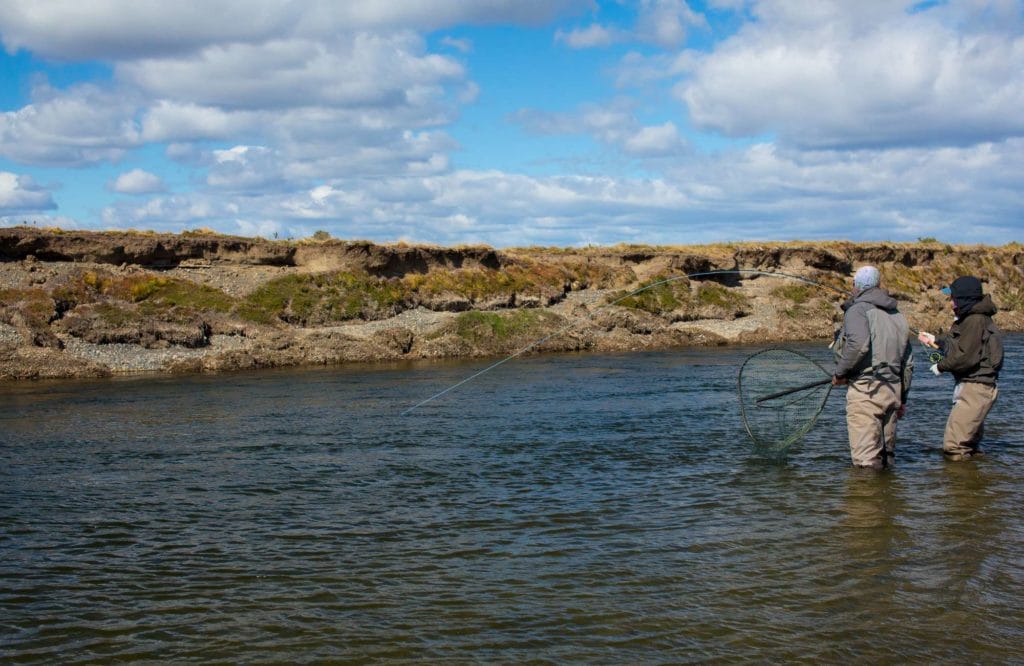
x,y
587,509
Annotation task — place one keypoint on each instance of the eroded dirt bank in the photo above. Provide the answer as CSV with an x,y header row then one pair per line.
x,y
96,303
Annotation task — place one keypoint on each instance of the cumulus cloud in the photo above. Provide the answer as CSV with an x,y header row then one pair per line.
x,y
129,29
171,212
181,122
366,122
655,141
887,120
898,194
592,36
348,97
136,181
461,45
20,194
614,124
248,169
757,193
112,29
664,23
351,70
84,125
839,74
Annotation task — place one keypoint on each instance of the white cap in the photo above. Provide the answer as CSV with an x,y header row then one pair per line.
x,y
866,277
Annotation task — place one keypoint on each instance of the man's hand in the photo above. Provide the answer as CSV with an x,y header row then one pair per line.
x,y
901,411
839,381
927,339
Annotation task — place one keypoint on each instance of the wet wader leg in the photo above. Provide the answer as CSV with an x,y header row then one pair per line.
x,y
871,422
966,423
889,435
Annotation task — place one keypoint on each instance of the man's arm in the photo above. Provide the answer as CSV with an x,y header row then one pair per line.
x,y
963,347
907,374
858,340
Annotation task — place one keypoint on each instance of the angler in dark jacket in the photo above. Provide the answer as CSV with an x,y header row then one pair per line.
x,y
973,354
873,357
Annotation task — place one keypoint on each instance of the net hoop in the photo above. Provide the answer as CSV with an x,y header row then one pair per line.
x,y
782,392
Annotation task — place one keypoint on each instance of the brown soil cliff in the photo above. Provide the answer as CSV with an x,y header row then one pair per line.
x,y
76,303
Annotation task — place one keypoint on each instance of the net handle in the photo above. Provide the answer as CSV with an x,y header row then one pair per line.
x,y
794,389
785,392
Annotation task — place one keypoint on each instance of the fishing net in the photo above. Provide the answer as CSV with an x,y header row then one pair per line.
x,y
782,393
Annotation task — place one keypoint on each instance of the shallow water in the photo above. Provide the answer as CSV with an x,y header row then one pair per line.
x,y
568,508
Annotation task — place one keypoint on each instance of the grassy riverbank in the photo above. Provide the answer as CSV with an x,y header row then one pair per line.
x,y
94,303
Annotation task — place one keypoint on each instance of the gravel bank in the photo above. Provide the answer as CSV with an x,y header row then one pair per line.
x,y
9,335
124,358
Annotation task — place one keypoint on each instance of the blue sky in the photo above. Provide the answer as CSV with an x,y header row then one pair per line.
x,y
517,122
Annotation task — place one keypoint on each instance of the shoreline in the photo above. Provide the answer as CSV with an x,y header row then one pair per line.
x,y
95,304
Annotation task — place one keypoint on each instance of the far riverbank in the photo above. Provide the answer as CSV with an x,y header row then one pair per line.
x,y
75,303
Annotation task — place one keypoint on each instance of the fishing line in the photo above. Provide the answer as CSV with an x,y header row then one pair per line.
x,y
567,327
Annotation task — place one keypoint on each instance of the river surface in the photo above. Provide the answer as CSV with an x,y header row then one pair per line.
x,y
558,509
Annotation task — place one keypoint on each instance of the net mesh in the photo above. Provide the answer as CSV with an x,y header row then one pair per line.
x,y
774,415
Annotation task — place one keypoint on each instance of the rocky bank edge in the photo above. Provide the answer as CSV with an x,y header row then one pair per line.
x,y
81,304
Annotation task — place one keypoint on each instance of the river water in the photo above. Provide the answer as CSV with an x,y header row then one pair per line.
x,y
561,509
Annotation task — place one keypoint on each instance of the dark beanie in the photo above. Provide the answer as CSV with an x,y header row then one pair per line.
x,y
966,292
966,287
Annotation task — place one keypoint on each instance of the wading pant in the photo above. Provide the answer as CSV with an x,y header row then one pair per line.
x,y
871,406
966,423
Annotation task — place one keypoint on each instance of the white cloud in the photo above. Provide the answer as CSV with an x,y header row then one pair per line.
x,y
834,74
614,124
592,36
347,100
170,213
104,29
84,125
664,23
173,121
883,194
137,181
127,29
637,70
248,169
762,192
655,141
461,45
20,194
262,229
295,116
610,123
360,70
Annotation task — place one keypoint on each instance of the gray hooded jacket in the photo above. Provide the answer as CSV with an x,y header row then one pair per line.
x,y
874,341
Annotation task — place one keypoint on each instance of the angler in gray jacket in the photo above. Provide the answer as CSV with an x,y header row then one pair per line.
x,y
873,358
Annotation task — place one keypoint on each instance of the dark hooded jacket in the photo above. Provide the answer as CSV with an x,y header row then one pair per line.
x,y
973,350
874,341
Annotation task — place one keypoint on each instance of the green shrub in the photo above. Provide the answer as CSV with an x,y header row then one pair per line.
x,y
323,298
797,293
168,292
479,284
716,295
35,305
657,298
493,327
